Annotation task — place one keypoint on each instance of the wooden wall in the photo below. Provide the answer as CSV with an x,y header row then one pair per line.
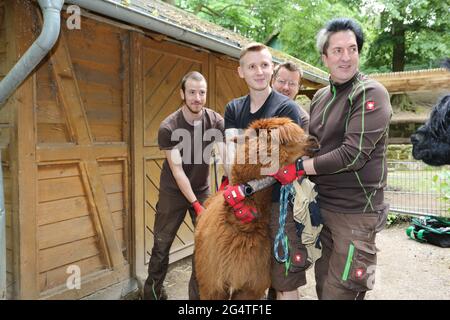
x,y
5,124
82,129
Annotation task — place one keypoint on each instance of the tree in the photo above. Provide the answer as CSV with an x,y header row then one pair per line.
x,y
254,19
305,19
410,33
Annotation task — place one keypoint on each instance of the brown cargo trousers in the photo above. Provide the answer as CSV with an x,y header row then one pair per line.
x,y
346,270
170,213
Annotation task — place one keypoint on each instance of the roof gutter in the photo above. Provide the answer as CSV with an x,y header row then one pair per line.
x,y
141,18
51,10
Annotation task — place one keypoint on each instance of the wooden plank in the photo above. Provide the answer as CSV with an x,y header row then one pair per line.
x,y
116,201
58,276
68,152
109,167
104,224
68,253
90,283
120,235
185,233
150,211
61,188
113,182
106,132
103,74
60,210
151,192
24,142
118,217
166,101
52,133
9,262
95,94
66,231
137,156
125,74
48,111
9,238
55,171
229,77
69,93
153,172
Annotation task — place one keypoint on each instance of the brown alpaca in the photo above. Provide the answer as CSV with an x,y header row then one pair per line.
x,y
232,260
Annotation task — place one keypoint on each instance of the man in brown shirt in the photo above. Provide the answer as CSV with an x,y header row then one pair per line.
x,y
350,118
287,78
186,137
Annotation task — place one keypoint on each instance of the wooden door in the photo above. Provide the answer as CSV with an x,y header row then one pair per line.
x,y
158,68
72,138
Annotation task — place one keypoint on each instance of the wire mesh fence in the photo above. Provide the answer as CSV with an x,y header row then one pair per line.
x,y
418,189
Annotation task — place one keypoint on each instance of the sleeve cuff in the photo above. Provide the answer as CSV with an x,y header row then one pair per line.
x,y
308,166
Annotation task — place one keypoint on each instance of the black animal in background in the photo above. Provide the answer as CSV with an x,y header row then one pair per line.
x,y
431,142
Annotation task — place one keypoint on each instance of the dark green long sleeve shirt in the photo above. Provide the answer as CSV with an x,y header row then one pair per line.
x,y
351,122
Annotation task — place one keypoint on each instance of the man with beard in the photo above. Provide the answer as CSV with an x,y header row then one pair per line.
x,y
350,118
184,183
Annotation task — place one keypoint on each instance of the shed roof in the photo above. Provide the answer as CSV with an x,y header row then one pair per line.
x,y
169,20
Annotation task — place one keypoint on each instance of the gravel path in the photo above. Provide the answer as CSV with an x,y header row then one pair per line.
x,y
407,270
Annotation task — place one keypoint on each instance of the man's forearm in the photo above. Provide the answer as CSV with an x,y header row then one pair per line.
x,y
185,187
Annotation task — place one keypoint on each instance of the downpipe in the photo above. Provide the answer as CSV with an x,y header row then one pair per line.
x,y
51,10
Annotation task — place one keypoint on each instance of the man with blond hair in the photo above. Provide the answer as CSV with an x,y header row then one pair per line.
x,y
256,68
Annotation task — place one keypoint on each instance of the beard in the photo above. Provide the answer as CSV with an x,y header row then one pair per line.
x,y
192,110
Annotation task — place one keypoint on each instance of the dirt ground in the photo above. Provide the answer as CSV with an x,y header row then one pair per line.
x,y
407,270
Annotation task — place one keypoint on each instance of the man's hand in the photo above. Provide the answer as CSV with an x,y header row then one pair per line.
x,y
244,213
224,184
290,173
198,208
234,194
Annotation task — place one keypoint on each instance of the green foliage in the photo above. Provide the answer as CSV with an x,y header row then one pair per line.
x,y
298,33
422,25
397,219
441,184
253,19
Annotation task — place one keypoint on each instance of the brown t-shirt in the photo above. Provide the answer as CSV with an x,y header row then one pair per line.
x,y
351,122
176,132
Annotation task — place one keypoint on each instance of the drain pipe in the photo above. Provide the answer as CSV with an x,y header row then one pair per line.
x,y
51,10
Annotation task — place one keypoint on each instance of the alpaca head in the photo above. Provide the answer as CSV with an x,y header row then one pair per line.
x,y
267,145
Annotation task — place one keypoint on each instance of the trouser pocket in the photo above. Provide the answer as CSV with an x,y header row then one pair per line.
x,y
360,265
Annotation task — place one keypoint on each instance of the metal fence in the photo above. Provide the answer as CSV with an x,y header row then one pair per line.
x,y
418,189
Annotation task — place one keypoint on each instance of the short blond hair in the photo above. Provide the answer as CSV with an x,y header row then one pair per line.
x,y
252,47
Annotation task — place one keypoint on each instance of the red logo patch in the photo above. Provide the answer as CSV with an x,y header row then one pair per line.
x,y
370,105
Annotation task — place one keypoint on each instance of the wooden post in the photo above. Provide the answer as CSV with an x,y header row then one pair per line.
x,y
137,142
23,161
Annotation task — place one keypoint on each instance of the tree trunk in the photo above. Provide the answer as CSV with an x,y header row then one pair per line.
x,y
398,54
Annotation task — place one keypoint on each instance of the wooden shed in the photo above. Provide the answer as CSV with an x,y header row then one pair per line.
x,y
78,138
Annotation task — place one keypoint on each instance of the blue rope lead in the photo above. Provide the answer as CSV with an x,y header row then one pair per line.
x,y
281,236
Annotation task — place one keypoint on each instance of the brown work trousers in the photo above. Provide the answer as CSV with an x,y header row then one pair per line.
x,y
346,270
170,213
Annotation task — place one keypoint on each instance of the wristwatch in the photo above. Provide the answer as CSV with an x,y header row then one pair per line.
x,y
299,165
